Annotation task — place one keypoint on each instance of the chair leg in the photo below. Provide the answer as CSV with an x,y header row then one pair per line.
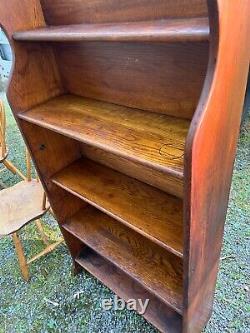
x,y
13,169
21,257
41,231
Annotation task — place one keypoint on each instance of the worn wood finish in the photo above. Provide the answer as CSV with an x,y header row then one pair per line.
x,y
119,73
157,270
3,145
159,179
41,231
47,250
163,80
19,205
21,257
58,12
180,30
163,317
152,139
149,211
12,168
209,158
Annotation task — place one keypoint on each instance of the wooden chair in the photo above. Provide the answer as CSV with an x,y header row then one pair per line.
x,y
3,147
19,205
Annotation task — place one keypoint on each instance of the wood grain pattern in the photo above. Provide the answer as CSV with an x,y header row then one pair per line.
x,y
48,149
19,205
151,139
164,318
58,12
35,64
149,211
157,270
162,77
136,170
209,156
179,30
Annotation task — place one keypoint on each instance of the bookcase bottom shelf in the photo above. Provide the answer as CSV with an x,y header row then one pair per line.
x,y
155,269
159,314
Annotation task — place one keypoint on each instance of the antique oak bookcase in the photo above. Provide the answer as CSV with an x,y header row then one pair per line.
x,y
131,112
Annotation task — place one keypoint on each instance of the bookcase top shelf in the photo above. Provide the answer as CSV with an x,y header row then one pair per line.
x,y
153,139
171,30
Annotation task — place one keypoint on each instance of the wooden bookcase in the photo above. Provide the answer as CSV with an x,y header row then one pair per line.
x,y
131,111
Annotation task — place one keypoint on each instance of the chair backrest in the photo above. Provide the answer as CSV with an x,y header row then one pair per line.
x,y
2,131
3,150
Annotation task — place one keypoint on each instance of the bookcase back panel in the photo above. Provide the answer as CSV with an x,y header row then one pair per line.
x,y
58,12
165,78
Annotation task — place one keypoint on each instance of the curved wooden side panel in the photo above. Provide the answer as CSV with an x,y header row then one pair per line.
x,y
35,77
210,153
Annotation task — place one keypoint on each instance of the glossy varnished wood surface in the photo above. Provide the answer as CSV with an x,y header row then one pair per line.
x,y
149,138
179,30
157,270
159,77
58,12
164,318
149,211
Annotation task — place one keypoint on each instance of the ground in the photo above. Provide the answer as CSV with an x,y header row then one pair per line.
x,y
56,301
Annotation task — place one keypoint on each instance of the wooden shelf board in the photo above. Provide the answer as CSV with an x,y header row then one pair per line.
x,y
157,313
171,30
149,211
157,270
153,139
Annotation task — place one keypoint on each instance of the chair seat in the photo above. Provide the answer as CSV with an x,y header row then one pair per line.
x,y
19,205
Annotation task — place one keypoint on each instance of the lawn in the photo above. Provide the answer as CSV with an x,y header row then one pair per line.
x,y
56,301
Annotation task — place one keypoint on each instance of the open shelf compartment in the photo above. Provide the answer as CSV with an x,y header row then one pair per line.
x,y
164,318
149,211
157,270
152,139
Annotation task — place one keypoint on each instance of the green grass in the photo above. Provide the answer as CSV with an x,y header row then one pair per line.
x,y
27,307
